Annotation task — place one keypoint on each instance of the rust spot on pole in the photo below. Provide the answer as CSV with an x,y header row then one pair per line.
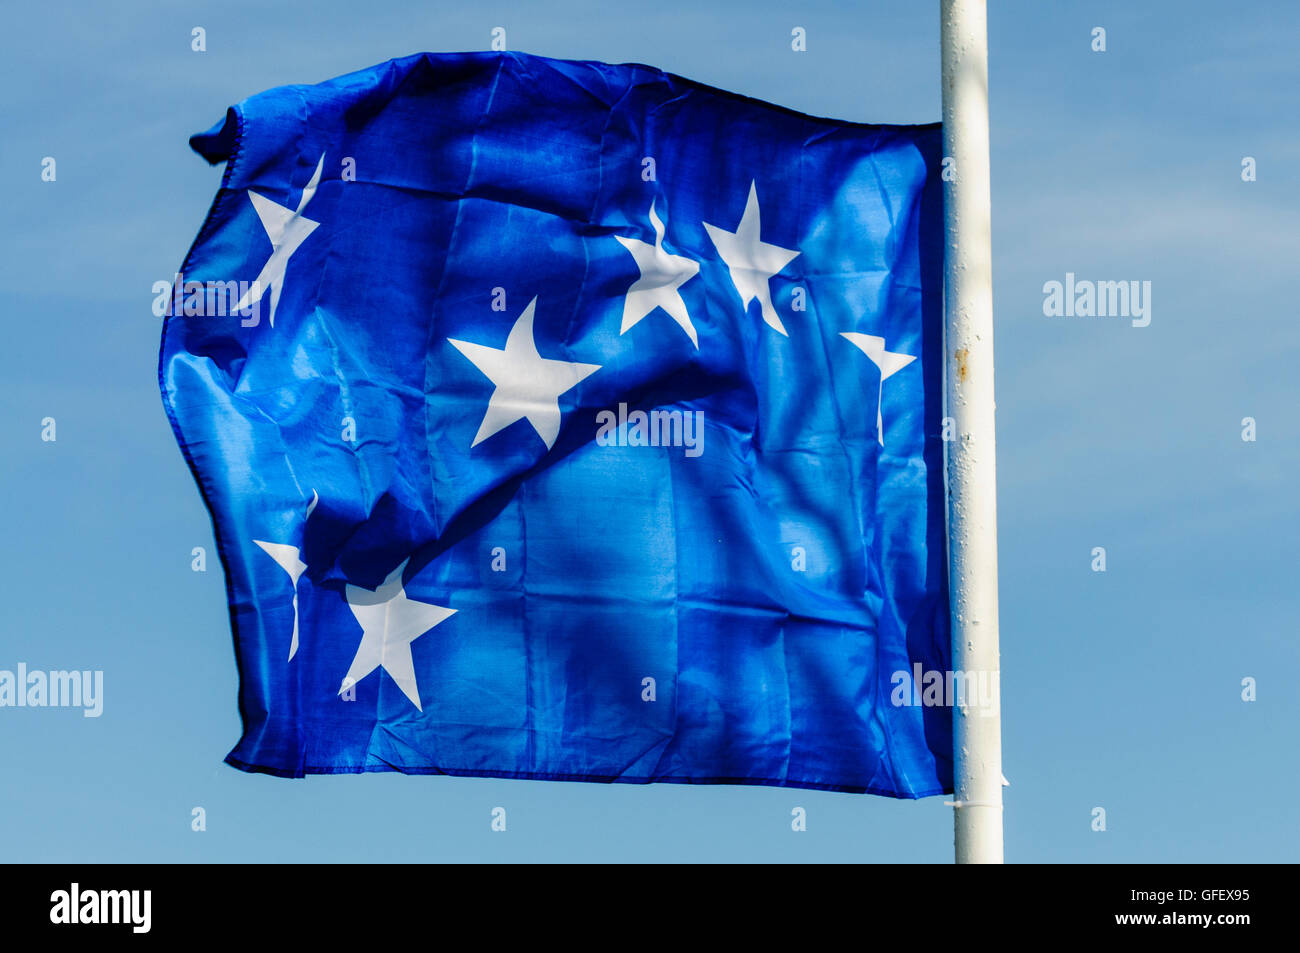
x,y
962,371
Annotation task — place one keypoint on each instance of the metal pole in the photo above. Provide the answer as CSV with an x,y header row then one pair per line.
x,y
972,478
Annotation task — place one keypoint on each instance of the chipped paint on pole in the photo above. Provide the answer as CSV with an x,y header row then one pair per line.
x,y
972,478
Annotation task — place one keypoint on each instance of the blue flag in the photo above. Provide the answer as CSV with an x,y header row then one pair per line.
x,y
571,421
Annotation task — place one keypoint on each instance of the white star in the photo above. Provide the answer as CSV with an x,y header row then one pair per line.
x,y
889,363
527,384
751,260
287,558
390,622
287,229
661,275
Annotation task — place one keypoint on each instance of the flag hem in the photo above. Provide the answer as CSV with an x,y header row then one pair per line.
x,y
253,768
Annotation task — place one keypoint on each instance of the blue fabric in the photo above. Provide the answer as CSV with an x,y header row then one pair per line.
x,y
771,585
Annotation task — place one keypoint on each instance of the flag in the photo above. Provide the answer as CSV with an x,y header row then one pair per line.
x,y
564,420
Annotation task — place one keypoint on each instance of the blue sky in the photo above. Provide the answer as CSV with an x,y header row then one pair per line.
x,y
1121,690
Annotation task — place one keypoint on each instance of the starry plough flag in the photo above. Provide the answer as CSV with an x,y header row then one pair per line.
x,y
573,421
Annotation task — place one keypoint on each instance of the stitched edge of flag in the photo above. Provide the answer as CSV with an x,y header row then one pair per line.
x,y
253,768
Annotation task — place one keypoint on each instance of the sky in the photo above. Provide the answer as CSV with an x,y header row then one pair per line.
x,y
1122,690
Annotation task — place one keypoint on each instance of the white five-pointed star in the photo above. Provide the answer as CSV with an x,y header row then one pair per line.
x,y
661,275
751,260
390,622
528,386
889,362
287,558
287,229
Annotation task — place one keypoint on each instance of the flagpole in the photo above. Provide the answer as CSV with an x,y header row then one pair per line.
x,y
972,479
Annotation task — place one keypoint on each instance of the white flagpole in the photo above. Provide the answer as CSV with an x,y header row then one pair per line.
x,y
972,479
